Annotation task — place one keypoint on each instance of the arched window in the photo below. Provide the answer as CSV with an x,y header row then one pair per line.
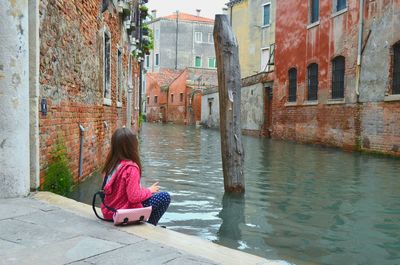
x,y
312,72
338,69
292,84
396,69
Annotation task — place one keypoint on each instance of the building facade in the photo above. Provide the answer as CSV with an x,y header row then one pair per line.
x,y
253,23
337,74
166,90
70,78
181,40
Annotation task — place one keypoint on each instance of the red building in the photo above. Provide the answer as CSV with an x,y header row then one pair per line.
x,y
337,74
171,96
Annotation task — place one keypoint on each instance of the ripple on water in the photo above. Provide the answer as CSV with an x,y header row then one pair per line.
x,y
304,204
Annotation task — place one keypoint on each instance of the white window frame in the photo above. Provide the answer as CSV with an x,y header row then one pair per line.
x,y
210,38
107,85
337,12
201,62
266,67
119,76
198,36
263,10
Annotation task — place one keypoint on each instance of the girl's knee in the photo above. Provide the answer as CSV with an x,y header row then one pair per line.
x,y
165,196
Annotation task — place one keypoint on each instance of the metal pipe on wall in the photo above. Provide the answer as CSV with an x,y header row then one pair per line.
x,y
177,39
81,138
359,49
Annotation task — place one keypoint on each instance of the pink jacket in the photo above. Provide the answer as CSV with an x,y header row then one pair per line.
x,y
123,190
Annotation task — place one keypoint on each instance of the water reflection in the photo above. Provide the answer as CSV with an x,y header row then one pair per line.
x,y
232,216
302,203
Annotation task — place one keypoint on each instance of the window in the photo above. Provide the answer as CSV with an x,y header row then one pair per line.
x,y
198,36
264,59
340,5
172,98
209,107
148,100
314,11
312,72
107,66
266,14
155,99
181,97
147,61
157,59
396,69
119,76
197,62
212,63
292,85
338,67
210,38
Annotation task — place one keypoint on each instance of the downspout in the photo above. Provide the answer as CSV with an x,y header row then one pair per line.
x,y
176,40
81,136
359,50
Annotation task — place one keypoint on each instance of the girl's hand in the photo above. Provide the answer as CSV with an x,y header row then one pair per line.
x,y
154,188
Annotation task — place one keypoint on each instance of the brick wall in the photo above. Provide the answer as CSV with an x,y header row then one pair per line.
x,y
177,109
367,124
71,79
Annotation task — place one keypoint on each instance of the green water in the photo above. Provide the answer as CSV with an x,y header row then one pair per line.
x,y
304,204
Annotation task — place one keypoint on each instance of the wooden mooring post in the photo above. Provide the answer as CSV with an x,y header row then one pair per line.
x,y
229,85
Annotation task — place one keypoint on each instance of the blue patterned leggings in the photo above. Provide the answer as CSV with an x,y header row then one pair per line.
x,y
160,202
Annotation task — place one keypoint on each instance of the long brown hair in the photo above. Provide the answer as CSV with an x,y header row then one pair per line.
x,y
124,146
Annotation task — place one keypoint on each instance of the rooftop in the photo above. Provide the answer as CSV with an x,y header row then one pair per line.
x,y
188,17
165,77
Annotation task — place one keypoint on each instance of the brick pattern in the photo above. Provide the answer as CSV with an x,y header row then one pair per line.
x,y
371,126
71,79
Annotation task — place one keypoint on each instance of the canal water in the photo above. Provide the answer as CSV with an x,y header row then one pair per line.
x,y
303,204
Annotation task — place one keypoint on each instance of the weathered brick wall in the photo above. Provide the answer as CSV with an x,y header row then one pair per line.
x,y
153,111
176,110
71,79
369,125
380,127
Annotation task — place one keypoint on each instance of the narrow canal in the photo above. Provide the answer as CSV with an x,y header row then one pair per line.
x,y
303,204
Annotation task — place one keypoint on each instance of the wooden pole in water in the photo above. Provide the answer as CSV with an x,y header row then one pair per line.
x,y
229,85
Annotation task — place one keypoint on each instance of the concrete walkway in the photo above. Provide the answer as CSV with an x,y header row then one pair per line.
x,y
49,229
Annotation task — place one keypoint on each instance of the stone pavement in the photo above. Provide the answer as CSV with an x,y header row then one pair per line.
x,y
49,229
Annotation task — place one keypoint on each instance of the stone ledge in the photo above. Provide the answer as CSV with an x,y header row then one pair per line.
x,y
389,98
190,244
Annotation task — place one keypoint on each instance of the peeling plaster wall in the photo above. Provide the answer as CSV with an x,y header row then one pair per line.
x,y
384,25
14,99
252,107
211,121
252,36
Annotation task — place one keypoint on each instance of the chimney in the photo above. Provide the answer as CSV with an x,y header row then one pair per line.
x,y
154,13
198,12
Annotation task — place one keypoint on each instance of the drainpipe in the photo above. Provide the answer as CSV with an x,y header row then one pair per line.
x,y
176,40
359,52
82,132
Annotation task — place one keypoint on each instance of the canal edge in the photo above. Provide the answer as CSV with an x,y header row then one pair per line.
x,y
190,244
